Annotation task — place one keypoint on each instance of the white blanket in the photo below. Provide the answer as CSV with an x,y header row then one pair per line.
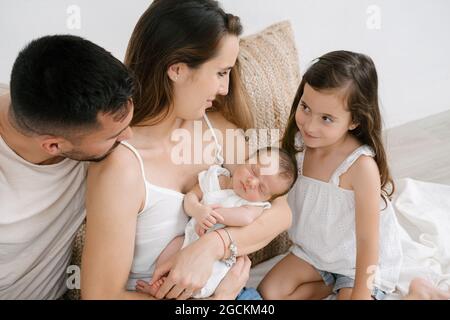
x,y
423,212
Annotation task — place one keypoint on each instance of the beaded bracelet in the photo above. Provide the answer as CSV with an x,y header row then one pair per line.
x,y
224,245
233,250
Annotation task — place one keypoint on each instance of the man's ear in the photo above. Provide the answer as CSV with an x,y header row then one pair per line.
x,y
53,145
177,71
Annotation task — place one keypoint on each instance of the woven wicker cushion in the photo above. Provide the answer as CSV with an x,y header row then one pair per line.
x,y
270,74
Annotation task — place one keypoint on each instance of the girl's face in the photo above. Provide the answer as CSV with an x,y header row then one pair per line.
x,y
322,117
195,89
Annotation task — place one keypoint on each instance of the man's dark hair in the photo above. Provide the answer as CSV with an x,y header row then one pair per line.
x,y
61,83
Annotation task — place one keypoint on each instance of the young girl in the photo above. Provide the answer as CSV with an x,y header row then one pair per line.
x,y
344,229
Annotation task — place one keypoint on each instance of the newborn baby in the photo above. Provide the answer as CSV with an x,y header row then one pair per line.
x,y
221,199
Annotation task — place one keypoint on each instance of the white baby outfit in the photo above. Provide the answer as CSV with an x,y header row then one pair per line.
x,y
226,198
323,228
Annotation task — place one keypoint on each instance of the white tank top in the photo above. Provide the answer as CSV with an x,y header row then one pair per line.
x,y
323,228
41,208
159,222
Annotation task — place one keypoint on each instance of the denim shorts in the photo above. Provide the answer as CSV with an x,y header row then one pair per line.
x,y
249,294
339,281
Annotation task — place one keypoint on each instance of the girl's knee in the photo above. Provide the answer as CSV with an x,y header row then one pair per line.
x,y
269,290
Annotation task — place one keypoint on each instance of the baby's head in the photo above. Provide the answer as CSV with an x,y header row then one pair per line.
x,y
269,173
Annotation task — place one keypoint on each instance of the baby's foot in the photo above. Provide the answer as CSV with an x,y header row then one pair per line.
x,y
142,286
421,289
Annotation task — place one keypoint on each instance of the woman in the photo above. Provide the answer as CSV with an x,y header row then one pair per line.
x,y
183,54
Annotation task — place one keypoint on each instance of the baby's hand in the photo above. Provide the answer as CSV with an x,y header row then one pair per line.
x,y
207,216
151,289
199,230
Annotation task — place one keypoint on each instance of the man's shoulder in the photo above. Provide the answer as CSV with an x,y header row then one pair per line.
x,y
5,99
4,102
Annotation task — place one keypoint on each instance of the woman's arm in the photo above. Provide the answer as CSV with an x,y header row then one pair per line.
x,y
264,229
365,179
239,216
115,193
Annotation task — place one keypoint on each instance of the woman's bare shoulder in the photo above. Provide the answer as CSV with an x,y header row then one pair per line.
x,y
109,183
121,162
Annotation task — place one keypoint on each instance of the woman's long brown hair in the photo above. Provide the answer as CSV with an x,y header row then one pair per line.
x,y
339,69
188,31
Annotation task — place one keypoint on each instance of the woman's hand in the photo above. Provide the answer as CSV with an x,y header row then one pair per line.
x,y
189,269
228,289
234,280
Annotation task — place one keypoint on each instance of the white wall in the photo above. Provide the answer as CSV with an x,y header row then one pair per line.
x,y
411,48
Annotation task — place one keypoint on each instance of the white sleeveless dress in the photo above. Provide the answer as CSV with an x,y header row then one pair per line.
x,y
323,228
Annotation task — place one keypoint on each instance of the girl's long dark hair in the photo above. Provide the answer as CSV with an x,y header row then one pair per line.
x,y
357,71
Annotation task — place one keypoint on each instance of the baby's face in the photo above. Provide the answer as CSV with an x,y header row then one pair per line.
x,y
258,182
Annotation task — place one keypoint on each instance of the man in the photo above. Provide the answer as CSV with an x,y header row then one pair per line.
x,y
69,102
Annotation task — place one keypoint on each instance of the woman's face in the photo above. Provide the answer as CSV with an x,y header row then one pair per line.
x,y
195,89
